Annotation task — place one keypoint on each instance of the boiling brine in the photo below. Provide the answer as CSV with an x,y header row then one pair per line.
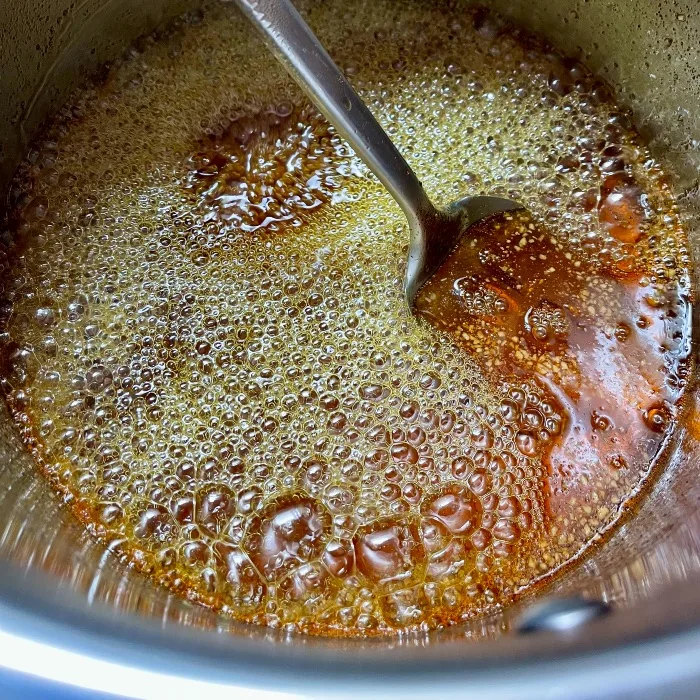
x,y
207,349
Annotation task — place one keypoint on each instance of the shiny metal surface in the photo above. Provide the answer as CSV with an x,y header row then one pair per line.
x,y
561,614
433,232
71,610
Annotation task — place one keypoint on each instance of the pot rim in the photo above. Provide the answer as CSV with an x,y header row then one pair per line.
x,y
50,632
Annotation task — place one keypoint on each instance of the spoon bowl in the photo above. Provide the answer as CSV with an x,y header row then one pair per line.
x,y
434,232
436,236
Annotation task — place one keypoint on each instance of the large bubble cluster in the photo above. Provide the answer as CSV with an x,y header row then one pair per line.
x,y
204,337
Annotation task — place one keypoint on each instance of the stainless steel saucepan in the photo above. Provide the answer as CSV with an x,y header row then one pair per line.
x,y
69,612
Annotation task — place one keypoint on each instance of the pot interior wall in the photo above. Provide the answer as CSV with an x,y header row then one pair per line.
x,y
648,50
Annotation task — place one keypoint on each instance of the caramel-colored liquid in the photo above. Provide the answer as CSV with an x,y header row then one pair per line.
x,y
605,347
207,349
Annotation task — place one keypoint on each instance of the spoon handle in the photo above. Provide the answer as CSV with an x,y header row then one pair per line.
x,y
296,46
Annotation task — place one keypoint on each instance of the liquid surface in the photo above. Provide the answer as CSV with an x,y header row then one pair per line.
x,y
604,347
207,350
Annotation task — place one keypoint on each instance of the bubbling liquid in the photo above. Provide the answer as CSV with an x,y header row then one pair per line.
x,y
206,347
606,347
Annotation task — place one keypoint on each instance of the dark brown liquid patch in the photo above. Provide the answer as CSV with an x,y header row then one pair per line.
x,y
608,351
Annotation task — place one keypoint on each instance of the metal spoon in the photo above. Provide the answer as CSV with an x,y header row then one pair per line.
x,y
433,232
